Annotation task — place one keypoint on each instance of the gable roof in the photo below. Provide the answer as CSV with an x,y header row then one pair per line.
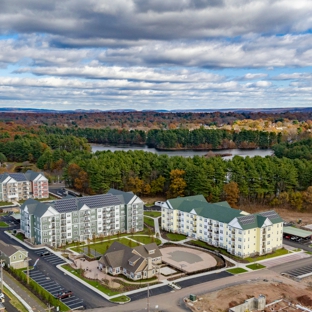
x,y
18,177
272,215
218,211
10,250
70,204
119,255
124,197
32,175
251,221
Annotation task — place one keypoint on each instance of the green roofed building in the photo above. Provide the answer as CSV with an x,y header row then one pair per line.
x,y
218,224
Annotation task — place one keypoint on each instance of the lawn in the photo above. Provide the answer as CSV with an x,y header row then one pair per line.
x,y
175,237
103,246
153,214
149,221
4,203
255,266
20,236
147,239
277,253
120,299
14,301
220,250
236,270
3,224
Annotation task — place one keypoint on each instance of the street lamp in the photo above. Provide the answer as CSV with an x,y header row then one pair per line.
x,y
182,265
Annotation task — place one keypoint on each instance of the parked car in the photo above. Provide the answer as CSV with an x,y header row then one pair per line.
x,y
64,294
293,238
287,236
45,253
159,203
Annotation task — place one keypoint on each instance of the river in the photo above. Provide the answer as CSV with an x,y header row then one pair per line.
x,y
184,153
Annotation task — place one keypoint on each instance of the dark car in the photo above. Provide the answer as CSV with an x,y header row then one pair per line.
x,y
64,294
45,253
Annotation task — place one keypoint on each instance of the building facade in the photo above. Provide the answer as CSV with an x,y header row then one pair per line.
x,y
20,186
13,256
136,263
218,224
80,218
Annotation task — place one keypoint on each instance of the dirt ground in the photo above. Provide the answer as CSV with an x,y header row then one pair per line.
x,y
286,214
222,300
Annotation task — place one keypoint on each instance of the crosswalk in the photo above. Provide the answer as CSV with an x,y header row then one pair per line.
x,y
280,260
54,289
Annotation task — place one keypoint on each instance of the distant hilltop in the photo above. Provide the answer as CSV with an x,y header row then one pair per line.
x,y
124,110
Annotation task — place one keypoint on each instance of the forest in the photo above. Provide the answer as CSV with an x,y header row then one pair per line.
x,y
174,139
281,180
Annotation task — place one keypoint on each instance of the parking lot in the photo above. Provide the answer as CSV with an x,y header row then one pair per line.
x,y
54,289
51,257
300,272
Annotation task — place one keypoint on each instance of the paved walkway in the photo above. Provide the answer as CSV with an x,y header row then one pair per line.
x,y
27,296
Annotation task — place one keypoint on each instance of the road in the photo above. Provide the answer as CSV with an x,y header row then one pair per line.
x,y
91,299
173,301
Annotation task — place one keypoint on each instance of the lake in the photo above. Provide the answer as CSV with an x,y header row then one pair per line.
x,y
184,153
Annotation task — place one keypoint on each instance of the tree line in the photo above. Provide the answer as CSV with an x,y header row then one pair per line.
x,y
174,139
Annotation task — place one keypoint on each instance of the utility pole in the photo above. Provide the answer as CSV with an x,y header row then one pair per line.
x,y
147,301
27,259
49,308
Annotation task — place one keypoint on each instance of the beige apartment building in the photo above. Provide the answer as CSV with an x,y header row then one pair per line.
x,y
240,233
21,186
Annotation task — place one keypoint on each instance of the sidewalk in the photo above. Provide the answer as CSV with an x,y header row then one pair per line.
x,y
15,285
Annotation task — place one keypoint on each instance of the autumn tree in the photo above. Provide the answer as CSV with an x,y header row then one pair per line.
x,y
177,184
231,192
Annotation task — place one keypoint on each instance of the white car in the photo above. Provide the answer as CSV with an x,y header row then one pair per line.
x,y
159,203
1,296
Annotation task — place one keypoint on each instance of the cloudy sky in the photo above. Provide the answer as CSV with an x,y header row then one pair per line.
x,y
155,54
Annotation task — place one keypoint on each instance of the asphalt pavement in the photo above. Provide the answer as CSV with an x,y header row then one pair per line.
x,y
90,298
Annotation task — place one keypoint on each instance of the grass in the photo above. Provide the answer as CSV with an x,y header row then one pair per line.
x,y
154,214
103,246
20,236
237,270
3,224
255,266
175,237
14,301
277,253
220,250
95,284
147,240
149,221
5,203
120,299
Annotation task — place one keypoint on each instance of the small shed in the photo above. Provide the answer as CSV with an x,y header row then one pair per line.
x,y
289,230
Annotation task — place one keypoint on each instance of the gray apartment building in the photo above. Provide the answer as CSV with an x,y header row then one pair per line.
x,y
81,218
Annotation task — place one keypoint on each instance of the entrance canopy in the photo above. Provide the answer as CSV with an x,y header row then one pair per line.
x,y
296,232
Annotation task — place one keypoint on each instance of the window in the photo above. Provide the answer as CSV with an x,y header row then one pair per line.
x,y
239,246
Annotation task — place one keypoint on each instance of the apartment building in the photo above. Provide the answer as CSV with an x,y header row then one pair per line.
x,y
81,218
218,224
20,186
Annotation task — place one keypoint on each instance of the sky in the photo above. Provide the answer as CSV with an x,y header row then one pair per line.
x,y
155,54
